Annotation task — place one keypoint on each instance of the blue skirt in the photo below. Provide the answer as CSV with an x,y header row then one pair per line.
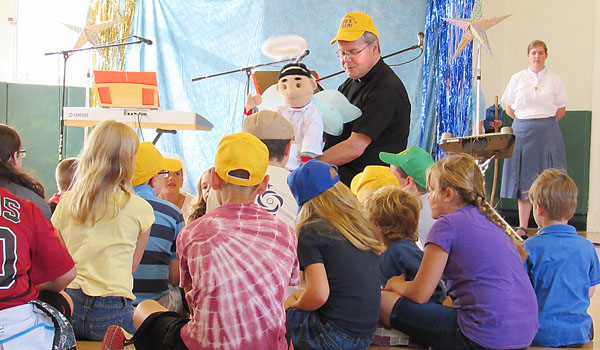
x,y
538,146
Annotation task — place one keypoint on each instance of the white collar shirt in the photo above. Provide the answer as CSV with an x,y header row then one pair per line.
x,y
535,95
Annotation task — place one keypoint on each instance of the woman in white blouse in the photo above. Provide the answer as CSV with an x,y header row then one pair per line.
x,y
536,99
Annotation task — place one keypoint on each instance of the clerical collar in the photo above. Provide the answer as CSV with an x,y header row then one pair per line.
x,y
376,68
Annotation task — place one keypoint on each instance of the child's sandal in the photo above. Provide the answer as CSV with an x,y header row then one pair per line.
x,y
524,229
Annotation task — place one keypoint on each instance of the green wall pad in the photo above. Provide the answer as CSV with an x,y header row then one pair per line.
x,y
576,132
34,111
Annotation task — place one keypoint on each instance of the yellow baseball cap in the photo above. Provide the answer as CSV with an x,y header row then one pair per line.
x,y
353,26
372,178
242,151
149,162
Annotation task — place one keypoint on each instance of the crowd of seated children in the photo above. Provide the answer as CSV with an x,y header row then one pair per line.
x,y
563,266
157,275
12,175
467,247
64,174
338,251
236,262
105,227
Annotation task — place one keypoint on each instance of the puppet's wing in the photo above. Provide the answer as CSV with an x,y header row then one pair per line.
x,y
336,110
270,99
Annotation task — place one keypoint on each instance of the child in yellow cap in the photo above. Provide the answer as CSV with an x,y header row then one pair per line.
x,y
236,262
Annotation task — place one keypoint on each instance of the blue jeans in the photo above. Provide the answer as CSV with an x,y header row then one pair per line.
x,y
430,324
306,331
92,315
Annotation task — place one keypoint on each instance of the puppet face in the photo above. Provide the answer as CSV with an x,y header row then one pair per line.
x,y
296,90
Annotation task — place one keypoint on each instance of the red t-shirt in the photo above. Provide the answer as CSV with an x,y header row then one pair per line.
x,y
30,252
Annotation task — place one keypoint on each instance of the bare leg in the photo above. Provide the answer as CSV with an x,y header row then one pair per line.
x,y
69,300
388,300
145,309
524,212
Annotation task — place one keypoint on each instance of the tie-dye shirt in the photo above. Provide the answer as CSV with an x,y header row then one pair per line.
x,y
238,260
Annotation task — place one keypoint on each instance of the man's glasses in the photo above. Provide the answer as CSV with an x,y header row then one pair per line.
x,y
350,54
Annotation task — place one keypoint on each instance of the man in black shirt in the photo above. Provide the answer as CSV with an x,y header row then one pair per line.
x,y
373,87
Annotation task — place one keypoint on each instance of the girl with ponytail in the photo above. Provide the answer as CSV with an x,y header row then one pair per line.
x,y
494,303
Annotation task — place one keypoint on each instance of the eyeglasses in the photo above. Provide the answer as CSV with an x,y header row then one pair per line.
x,y
350,54
23,153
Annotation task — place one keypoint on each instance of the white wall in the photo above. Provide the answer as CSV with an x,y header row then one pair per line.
x,y
8,31
37,29
568,28
572,32
593,222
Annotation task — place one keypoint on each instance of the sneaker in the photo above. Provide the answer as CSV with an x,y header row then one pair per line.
x,y
116,338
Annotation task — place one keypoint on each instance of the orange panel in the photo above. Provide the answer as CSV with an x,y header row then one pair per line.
x,y
104,94
147,97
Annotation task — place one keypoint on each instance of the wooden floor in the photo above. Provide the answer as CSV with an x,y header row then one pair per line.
x,y
594,311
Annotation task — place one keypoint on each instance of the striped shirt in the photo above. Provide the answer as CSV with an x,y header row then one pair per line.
x,y
151,279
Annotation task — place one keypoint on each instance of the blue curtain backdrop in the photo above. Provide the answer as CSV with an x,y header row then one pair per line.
x,y
201,37
446,103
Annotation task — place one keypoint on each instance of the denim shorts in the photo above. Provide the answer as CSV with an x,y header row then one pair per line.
x,y
92,315
306,331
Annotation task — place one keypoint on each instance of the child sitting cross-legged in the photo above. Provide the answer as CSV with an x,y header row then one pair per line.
x,y
236,262
338,250
468,248
105,228
563,266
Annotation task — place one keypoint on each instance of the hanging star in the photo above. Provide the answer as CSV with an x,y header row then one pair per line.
x,y
89,33
474,28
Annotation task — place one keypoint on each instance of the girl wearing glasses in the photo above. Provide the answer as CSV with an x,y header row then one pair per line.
x,y
12,175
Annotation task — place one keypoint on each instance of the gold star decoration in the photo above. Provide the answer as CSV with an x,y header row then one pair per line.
x,y
474,28
89,33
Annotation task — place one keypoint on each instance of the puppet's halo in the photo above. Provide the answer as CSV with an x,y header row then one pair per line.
x,y
283,46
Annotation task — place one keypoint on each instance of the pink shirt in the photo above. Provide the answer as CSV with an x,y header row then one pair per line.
x,y
238,260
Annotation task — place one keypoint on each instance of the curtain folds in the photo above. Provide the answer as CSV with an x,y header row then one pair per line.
x,y
446,102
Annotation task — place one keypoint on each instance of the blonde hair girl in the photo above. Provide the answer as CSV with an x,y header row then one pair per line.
x,y
341,209
494,303
338,251
105,227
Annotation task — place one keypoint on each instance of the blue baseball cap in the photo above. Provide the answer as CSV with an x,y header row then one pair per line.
x,y
310,179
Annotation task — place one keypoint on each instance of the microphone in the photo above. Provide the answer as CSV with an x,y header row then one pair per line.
x,y
302,55
144,40
420,37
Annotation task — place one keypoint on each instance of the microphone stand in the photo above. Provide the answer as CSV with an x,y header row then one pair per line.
x,y
384,57
66,54
248,71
